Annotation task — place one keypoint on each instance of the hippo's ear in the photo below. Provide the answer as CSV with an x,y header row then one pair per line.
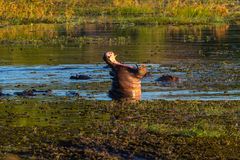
x,y
142,71
105,58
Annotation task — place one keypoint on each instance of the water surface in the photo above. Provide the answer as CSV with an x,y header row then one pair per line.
x,y
206,58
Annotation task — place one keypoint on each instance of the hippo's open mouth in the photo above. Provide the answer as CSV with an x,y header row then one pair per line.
x,y
111,57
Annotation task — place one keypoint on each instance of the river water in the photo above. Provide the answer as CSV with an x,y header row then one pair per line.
x,y
44,56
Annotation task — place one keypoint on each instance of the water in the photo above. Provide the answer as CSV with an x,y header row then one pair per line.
x,y
205,58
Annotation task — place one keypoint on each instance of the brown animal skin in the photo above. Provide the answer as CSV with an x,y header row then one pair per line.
x,y
126,81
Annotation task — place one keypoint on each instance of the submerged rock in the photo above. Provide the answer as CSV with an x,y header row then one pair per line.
x,y
126,81
168,78
80,77
72,94
33,92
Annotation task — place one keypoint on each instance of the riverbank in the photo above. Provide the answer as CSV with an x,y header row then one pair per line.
x,y
117,11
63,129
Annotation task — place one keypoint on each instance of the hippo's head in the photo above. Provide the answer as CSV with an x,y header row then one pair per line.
x,y
110,59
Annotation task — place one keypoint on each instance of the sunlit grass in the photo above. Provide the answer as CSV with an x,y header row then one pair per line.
x,y
59,11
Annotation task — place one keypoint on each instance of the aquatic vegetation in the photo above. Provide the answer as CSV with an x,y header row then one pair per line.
x,y
95,129
57,36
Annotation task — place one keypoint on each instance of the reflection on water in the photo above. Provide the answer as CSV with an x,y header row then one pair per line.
x,y
206,58
74,44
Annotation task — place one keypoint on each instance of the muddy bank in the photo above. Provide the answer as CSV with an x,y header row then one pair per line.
x,y
63,129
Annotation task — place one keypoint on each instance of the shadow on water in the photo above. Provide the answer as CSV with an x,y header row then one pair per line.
x,y
206,58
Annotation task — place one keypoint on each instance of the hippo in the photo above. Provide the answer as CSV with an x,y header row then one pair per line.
x,y
126,79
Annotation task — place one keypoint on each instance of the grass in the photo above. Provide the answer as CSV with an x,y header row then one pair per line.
x,y
135,11
80,129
